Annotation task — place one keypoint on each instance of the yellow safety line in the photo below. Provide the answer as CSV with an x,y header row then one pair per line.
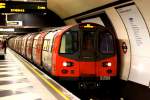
x,y
48,83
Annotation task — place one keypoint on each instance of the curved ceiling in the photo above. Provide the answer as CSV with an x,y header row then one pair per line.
x,y
67,8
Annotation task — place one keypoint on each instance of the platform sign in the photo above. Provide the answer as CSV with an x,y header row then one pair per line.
x,y
14,23
22,7
2,5
7,29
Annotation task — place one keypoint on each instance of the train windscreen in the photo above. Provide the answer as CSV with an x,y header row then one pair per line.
x,y
105,43
69,42
88,40
87,43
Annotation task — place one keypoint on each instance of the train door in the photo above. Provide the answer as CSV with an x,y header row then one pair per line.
x,y
97,48
39,48
34,49
88,52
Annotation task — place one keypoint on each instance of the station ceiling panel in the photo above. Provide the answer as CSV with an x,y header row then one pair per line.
x,y
66,8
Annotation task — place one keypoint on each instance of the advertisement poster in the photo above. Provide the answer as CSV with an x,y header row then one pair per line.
x,y
136,28
140,43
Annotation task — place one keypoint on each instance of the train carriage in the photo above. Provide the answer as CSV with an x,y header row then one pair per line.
x,y
20,44
38,45
17,44
47,50
24,44
11,43
29,46
85,50
75,51
34,47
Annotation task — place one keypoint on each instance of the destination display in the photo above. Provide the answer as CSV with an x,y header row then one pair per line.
x,y
19,7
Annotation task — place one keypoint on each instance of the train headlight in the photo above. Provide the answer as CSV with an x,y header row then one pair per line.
x,y
107,64
64,64
67,64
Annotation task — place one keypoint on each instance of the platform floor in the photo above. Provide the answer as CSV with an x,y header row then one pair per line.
x,y
17,82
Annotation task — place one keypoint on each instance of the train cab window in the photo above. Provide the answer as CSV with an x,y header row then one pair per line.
x,y
69,42
106,45
88,40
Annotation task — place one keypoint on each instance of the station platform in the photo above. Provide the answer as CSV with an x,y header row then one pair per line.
x,y
20,80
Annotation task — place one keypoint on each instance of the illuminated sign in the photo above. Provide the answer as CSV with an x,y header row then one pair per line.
x,y
17,10
14,23
88,26
2,5
25,7
41,7
7,29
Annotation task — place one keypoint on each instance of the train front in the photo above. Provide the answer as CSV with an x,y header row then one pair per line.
x,y
84,51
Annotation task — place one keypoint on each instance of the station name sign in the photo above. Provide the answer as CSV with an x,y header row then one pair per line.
x,y
22,7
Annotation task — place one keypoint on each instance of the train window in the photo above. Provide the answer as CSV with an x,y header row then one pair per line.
x,y
88,40
30,43
47,46
40,42
52,40
51,44
106,45
35,43
69,42
44,45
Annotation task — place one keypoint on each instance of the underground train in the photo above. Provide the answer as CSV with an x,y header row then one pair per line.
x,y
82,50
